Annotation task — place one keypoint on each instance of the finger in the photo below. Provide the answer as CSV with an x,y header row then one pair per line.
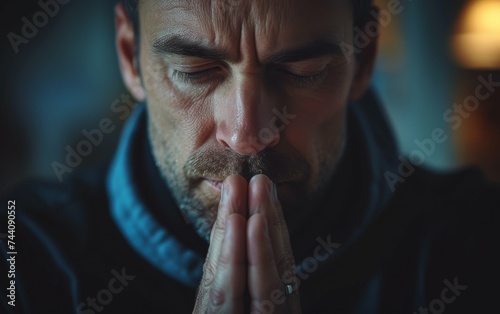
x,y
226,292
263,276
263,199
233,201
276,266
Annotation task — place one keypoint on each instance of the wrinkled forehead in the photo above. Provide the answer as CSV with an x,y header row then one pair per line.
x,y
224,14
270,22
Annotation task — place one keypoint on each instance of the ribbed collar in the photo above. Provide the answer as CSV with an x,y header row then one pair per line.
x,y
136,221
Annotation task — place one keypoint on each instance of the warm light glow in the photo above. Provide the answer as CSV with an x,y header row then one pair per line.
x,y
477,42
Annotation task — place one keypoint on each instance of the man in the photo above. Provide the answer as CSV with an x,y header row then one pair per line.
x,y
253,179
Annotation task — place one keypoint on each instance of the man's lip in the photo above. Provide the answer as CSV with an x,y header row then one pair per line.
x,y
217,184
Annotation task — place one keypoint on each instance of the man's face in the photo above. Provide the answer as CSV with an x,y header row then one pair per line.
x,y
247,87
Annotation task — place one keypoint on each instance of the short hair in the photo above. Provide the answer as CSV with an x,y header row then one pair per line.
x,y
131,7
361,9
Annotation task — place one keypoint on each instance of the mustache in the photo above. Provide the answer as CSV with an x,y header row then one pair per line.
x,y
217,164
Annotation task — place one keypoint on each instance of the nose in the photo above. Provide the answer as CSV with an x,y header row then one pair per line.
x,y
245,121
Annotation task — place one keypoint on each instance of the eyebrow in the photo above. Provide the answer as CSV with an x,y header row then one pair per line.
x,y
176,45
318,48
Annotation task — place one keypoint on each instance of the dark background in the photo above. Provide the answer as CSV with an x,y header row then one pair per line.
x,y
66,77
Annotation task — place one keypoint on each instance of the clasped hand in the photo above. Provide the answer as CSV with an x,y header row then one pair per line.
x,y
249,267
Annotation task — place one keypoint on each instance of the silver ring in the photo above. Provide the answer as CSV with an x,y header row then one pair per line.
x,y
289,289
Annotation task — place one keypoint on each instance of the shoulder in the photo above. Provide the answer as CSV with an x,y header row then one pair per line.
x,y
69,249
461,202
53,235
450,234
61,207
59,215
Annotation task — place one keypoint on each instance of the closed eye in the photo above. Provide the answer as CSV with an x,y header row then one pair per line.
x,y
198,77
302,80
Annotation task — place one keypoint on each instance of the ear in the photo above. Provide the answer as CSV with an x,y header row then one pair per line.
x,y
125,46
365,60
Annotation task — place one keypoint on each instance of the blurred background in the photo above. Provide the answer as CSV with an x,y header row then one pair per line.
x,y
63,78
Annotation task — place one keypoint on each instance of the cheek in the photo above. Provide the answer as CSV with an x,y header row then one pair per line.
x,y
182,119
318,137
317,132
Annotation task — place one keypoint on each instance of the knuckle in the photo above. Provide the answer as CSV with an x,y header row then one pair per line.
x,y
219,226
217,296
208,274
224,261
217,233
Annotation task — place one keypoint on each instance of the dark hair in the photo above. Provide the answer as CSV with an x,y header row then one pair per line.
x,y
361,10
131,8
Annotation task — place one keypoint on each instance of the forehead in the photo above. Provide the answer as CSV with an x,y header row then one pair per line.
x,y
271,23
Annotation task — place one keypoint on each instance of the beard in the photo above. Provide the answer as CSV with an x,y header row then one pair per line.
x,y
200,207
